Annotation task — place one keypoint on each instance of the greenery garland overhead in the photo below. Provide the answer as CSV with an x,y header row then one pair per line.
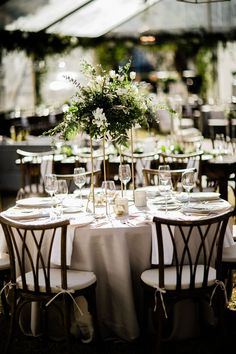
x,y
39,44
36,44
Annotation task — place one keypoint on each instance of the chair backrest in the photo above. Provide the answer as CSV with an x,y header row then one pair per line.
x,y
151,176
197,249
70,177
187,160
218,126
30,169
181,160
30,249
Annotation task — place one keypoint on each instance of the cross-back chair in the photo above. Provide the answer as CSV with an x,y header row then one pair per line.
x,y
151,176
229,267
186,160
194,271
69,178
4,278
30,164
34,277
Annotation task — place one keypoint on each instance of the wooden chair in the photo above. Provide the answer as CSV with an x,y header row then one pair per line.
x,y
4,278
195,273
30,164
35,279
229,266
188,160
69,178
151,176
140,161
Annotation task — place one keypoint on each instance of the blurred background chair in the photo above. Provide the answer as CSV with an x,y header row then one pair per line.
x,y
185,160
150,176
33,166
70,177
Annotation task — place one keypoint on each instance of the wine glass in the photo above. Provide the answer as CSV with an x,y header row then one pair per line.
x,y
50,185
61,192
188,181
163,168
79,179
165,186
219,144
109,189
124,174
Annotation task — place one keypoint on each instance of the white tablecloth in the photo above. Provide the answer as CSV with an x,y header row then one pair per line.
x,y
118,252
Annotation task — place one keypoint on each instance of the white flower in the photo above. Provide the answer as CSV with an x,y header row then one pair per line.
x,y
121,78
100,119
132,75
112,74
121,91
99,79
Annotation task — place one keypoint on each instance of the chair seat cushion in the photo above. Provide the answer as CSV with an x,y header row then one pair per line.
x,y
4,261
151,277
76,280
229,254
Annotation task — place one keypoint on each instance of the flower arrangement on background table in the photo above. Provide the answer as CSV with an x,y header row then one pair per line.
x,y
108,106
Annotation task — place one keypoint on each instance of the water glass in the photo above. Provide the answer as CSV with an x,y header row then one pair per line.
x,y
109,189
79,179
61,193
50,185
188,181
165,186
124,175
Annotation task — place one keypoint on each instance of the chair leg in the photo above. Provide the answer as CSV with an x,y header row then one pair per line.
x,y
12,328
90,296
4,302
67,320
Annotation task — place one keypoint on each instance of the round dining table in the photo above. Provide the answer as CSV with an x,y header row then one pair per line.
x,y
117,248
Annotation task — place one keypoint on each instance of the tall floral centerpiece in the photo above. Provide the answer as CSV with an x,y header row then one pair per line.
x,y
107,107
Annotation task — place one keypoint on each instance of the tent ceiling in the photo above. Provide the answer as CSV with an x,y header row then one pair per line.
x,y
177,17
116,18
73,18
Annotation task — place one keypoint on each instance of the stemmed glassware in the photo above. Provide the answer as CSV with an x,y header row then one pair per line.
x,y
124,175
50,185
109,189
163,168
61,192
79,179
188,181
165,184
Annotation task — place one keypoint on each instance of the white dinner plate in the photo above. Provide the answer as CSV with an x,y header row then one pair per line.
x,y
23,214
82,220
169,207
201,208
161,200
152,191
204,196
36,202
72,209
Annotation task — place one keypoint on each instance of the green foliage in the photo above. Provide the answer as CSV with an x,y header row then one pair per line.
x,y
109,105
205,68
